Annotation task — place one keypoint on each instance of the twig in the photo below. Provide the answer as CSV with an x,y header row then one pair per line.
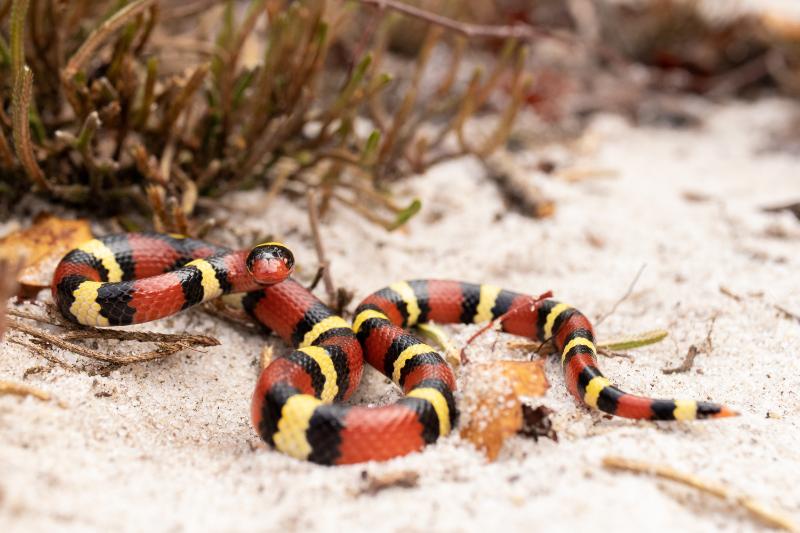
x,y
193,83
374,484
41,352
22,389
688,361
793,208
729,293
164,349
139,336
313,220
54,319
524,32
786,313
753,506
624,297
546,348
783,311
316,280
686,364
78,332
708,344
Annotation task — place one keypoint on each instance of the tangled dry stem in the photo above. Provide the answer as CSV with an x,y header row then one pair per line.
x,y
167,343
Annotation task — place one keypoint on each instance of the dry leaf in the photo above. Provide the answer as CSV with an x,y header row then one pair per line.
x,y
41,246
495,410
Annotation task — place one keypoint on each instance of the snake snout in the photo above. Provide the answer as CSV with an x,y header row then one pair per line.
x,y
270,263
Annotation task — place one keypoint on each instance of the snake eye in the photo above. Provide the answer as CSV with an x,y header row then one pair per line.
x,y
270,263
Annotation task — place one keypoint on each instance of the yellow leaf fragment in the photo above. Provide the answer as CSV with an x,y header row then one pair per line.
x,y
493,409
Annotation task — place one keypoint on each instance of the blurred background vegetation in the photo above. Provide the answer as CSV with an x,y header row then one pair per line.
x,y
146,108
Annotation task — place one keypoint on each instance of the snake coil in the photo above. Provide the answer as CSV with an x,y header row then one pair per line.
x,y
137,277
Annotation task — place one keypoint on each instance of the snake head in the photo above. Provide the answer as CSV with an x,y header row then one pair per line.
x,y
270,263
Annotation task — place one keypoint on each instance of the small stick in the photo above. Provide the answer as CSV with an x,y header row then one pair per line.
x,y
709,345
546,348
691,353
22,389
313,220
517,31
139,336
786,313
52,318
316,280
625,296
753,506
375,484
163,350
41,352
793,208
686,364
729,293
87,332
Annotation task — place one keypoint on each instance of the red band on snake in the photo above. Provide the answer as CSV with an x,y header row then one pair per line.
x,y
296,406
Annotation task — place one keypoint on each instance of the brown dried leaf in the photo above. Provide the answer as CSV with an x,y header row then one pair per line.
x,y
496,412
41,246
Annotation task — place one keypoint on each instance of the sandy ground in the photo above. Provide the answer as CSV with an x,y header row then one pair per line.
x,y
167,445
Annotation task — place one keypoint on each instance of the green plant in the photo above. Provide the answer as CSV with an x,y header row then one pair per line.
x,y
99,114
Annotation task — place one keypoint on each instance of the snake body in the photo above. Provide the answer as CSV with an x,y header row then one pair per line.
x,y
296,406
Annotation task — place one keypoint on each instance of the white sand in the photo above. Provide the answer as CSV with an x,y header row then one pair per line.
x,y
167,446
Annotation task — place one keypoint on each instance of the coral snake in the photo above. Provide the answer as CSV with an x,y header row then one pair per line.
x,y
136,277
